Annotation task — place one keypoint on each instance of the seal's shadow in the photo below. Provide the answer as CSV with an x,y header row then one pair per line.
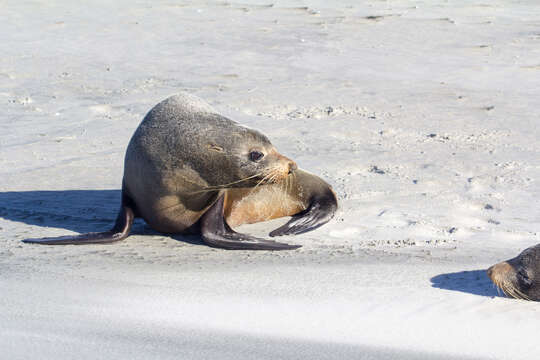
x,y
81,211
474,282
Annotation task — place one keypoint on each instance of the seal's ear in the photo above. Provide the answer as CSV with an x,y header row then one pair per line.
x,y
214,147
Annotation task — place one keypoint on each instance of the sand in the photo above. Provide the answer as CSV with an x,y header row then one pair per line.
x,y
421,114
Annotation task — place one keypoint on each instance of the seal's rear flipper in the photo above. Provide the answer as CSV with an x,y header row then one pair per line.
x,y
320,211
119,231
217,233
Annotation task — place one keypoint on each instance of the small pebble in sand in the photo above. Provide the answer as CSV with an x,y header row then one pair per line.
x,y
376,170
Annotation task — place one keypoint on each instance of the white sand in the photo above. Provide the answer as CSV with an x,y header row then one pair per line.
x,y
421,114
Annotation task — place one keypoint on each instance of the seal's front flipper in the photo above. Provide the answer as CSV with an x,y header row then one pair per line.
x,y
119,231
320,211
217,233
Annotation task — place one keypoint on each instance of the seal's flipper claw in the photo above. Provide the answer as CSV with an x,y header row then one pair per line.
x,y
119,231
217,233
320,211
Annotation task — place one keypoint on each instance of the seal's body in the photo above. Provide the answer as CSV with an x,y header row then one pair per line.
x,y
519,277
189,169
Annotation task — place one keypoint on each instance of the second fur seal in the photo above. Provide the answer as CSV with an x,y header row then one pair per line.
x,y
189,169
519,277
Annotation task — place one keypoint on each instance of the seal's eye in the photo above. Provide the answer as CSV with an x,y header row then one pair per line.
x,y
255,155
523,279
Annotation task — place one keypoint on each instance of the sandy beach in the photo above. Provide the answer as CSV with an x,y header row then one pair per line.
x,y
422,115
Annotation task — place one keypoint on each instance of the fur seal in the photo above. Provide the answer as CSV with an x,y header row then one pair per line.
x,y
519,277
189,169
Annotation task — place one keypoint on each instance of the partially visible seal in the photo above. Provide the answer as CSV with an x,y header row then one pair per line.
x,y
519,277
189,169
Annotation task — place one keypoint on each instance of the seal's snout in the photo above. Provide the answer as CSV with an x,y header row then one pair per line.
x,y
500,272
286,165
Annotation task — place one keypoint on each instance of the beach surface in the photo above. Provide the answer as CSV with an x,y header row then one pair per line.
x,y
422,115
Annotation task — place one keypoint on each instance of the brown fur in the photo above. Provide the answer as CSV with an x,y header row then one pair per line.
x,y
266,202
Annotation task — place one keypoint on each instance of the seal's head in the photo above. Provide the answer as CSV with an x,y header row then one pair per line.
x,y
248,155
519,277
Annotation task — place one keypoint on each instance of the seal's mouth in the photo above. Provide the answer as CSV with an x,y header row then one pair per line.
x,y
504,277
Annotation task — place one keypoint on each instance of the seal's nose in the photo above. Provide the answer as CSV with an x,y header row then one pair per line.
x,y
499,271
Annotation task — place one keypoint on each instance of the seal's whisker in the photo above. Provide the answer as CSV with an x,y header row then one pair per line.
x,y
266,179
501,287
509,290
234,182
505,290
259,183
522,295
516,293
498,287
277,171
269,176
224,186
273,178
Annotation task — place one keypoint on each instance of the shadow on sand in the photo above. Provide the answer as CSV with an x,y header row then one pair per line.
x,y
474,282
75,210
